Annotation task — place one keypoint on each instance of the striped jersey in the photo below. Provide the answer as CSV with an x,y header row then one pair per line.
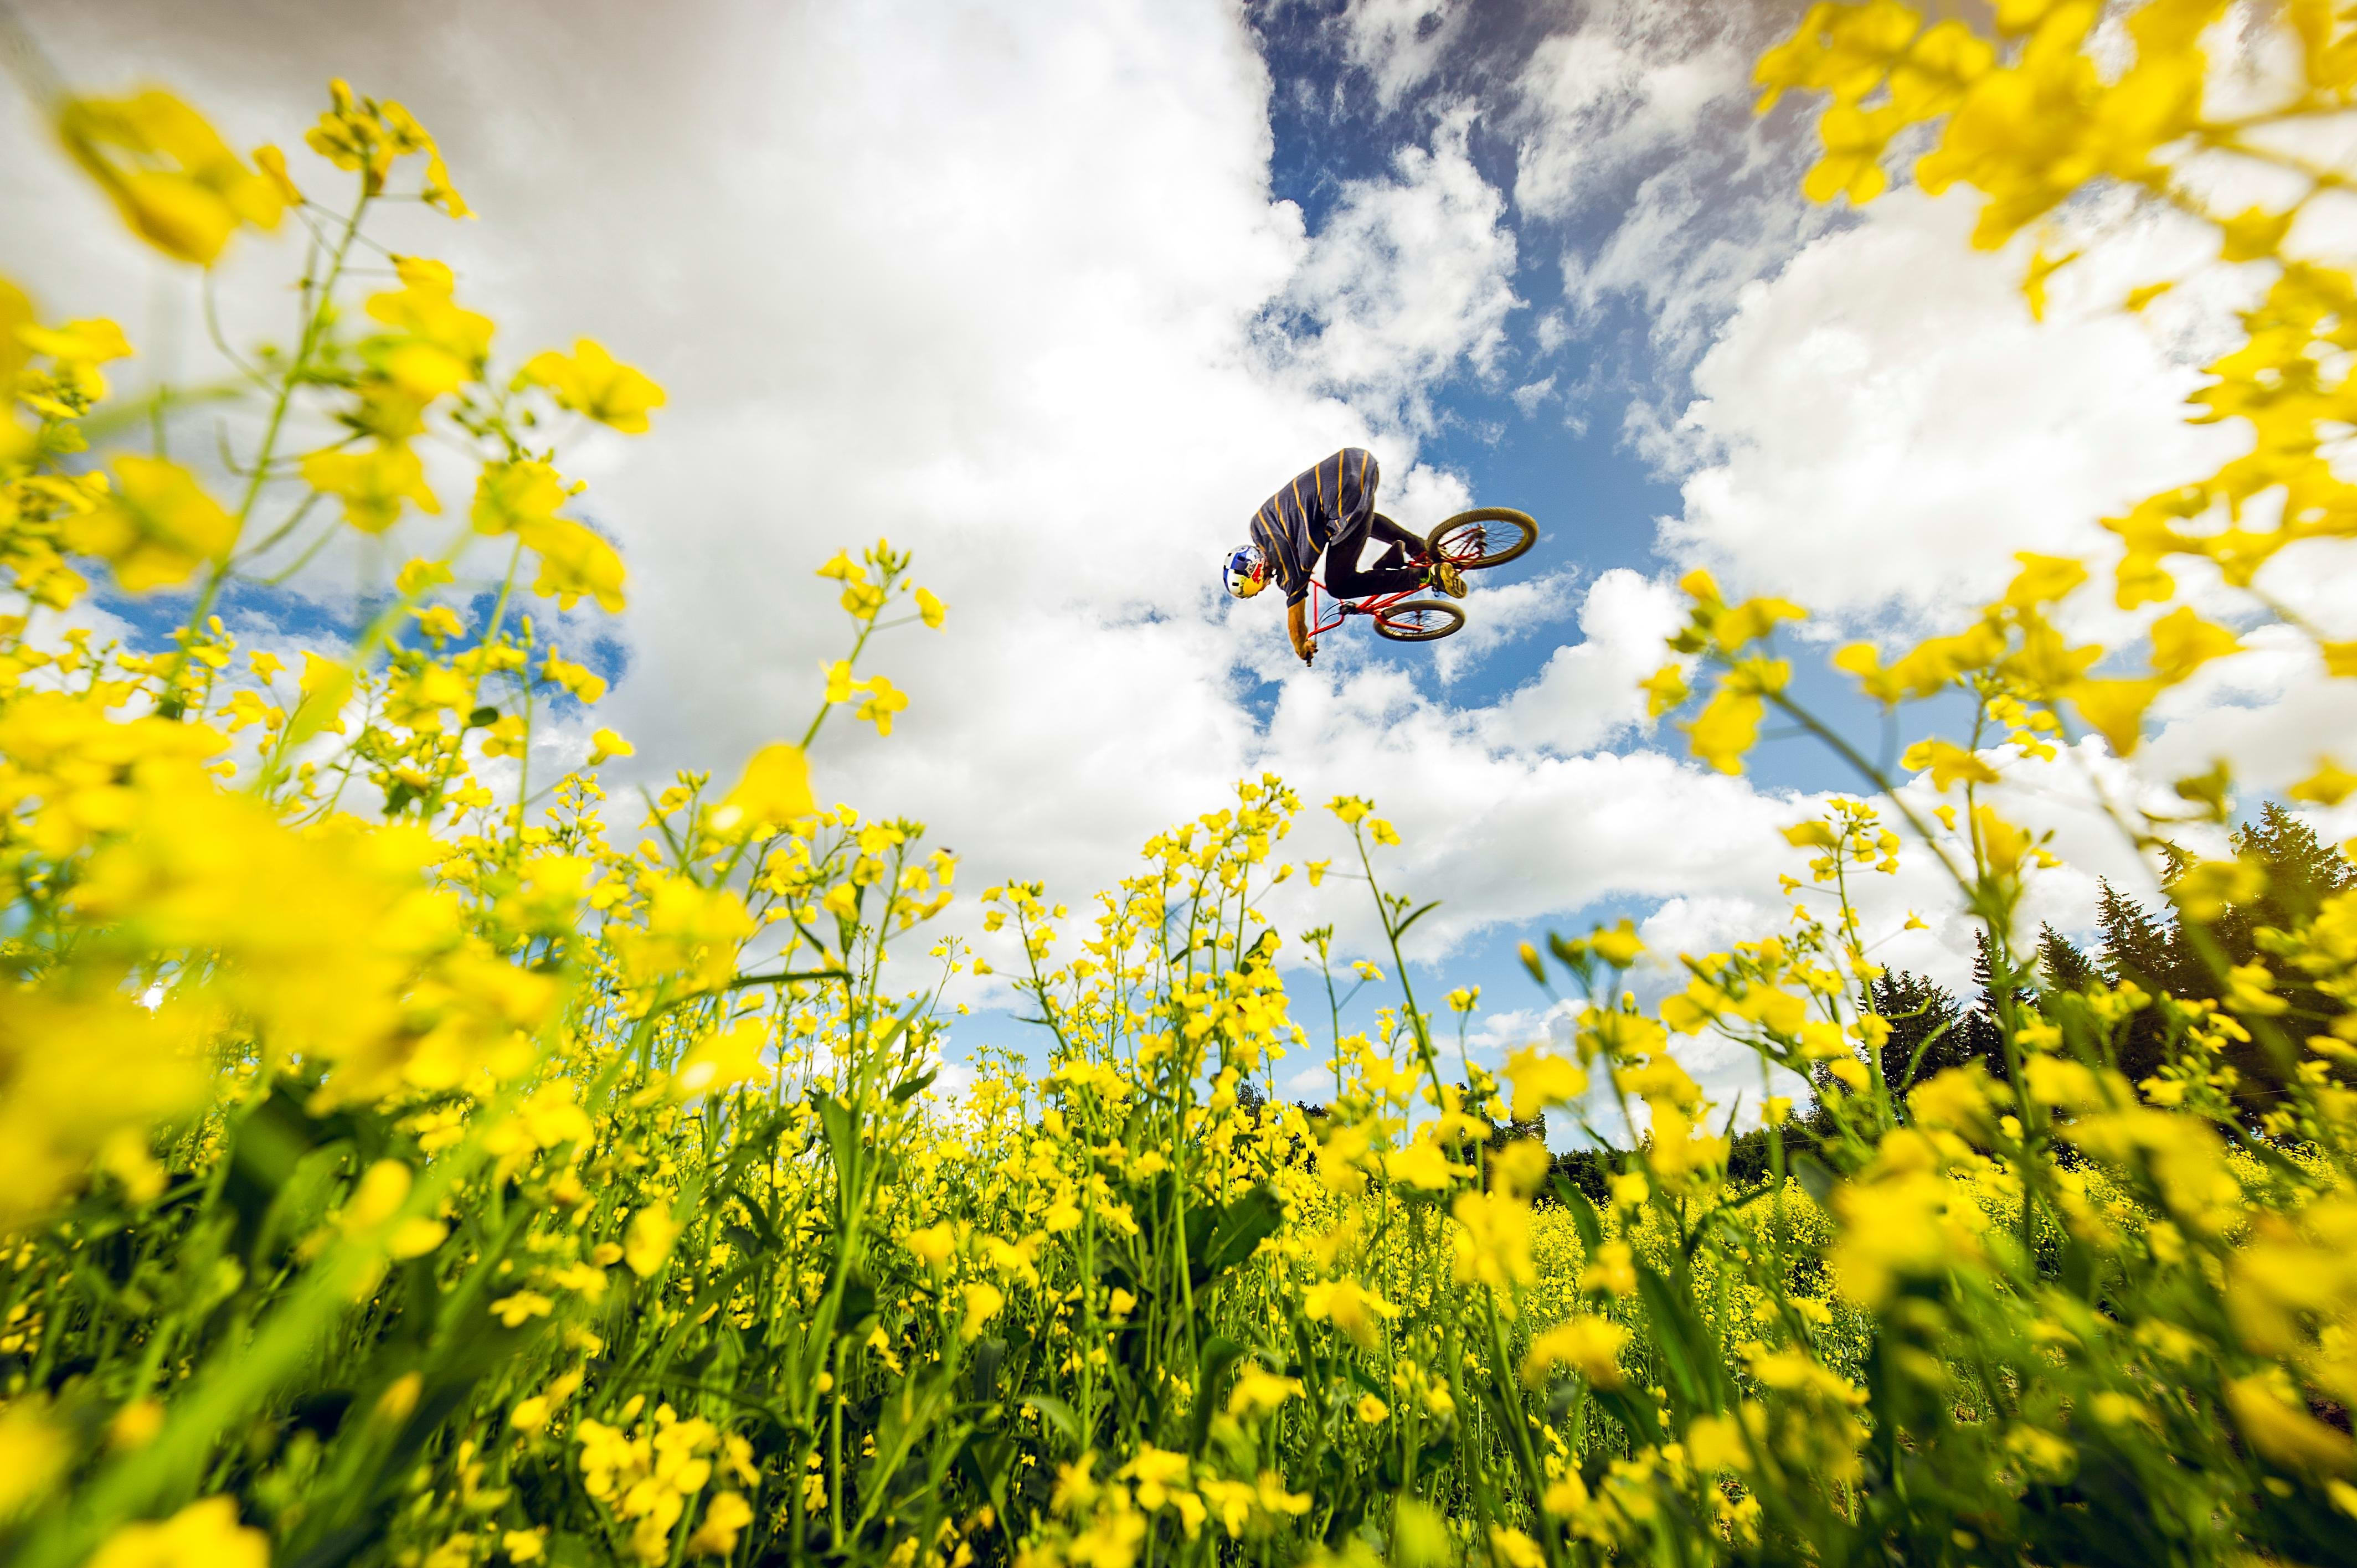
x,y
1329,502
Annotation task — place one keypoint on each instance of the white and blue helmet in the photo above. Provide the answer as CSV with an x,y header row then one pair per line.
x,y
1246,573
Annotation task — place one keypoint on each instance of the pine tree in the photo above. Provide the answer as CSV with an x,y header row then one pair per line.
x,y
1924,1017
2137,949
2063,965
2135,946
1983,1036
2302,870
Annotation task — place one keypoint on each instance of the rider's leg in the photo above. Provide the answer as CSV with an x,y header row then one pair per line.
x,y
1402,566
1405,546
1345,579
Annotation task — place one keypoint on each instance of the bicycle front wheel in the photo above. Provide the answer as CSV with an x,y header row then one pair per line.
x,y
1486,536
1419,620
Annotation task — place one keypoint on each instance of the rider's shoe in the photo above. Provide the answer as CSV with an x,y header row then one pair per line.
x,y
1445,576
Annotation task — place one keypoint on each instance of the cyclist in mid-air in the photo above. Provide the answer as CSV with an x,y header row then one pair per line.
x,y
1330,509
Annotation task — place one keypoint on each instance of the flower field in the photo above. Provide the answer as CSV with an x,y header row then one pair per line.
x,y
408,1160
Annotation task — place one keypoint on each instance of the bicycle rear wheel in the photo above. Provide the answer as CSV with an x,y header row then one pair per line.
x,y
1419,620
1486,536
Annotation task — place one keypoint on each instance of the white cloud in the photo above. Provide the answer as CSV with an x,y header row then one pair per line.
x,y
1633,81
1409,277
1586,695
1400,43
1883,423
1634,132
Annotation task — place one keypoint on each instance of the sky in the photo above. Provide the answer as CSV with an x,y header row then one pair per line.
x,y
1055,292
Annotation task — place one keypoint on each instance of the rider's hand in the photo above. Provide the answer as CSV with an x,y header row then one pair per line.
x,y
1308,651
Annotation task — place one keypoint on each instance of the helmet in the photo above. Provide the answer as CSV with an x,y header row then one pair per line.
x,y
1246,573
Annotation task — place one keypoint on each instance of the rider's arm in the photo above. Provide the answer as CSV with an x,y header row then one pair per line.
x,y
1297,623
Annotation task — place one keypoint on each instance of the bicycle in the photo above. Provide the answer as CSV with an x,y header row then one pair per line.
x,y
1471,541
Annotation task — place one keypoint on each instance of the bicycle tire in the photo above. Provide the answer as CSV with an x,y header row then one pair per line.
x,y
1452,620
1525,528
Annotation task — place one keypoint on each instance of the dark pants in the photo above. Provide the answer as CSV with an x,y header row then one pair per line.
x,y
1390,574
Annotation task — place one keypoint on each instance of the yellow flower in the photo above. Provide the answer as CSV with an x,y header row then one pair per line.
x,y
2183,642
1619,946
1258,1392
1541,1078
510,496
169,174
1521,1168
525,1305
605,743
156,527
436,345
1852,167
1349,1306
773,790
1157,1475
1725,728
205,1534
1614,1270
2115,709
1948,762
592,381
76,351
416,1237
724,1518
931,609
1422,1165
1382,832
419,576
440,622
932,1245
882,702
273,164
983,1301
2285,1432
1665,689
573,562
1372,1411
1590,1346
372,483
721,1060
1510,1548
1492,1242
34,1452
646,1245
584,682
2328,785
1715,1443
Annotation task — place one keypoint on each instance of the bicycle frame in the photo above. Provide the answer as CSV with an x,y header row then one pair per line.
x,y
1323,604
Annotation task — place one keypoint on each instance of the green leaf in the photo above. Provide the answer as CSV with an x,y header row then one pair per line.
x,y
1813,1178
1401,930
1685,1343
1583,1213
1218,1356
1239,1229
1057,1414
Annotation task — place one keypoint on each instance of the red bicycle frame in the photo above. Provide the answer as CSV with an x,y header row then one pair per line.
x,y
1323,604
